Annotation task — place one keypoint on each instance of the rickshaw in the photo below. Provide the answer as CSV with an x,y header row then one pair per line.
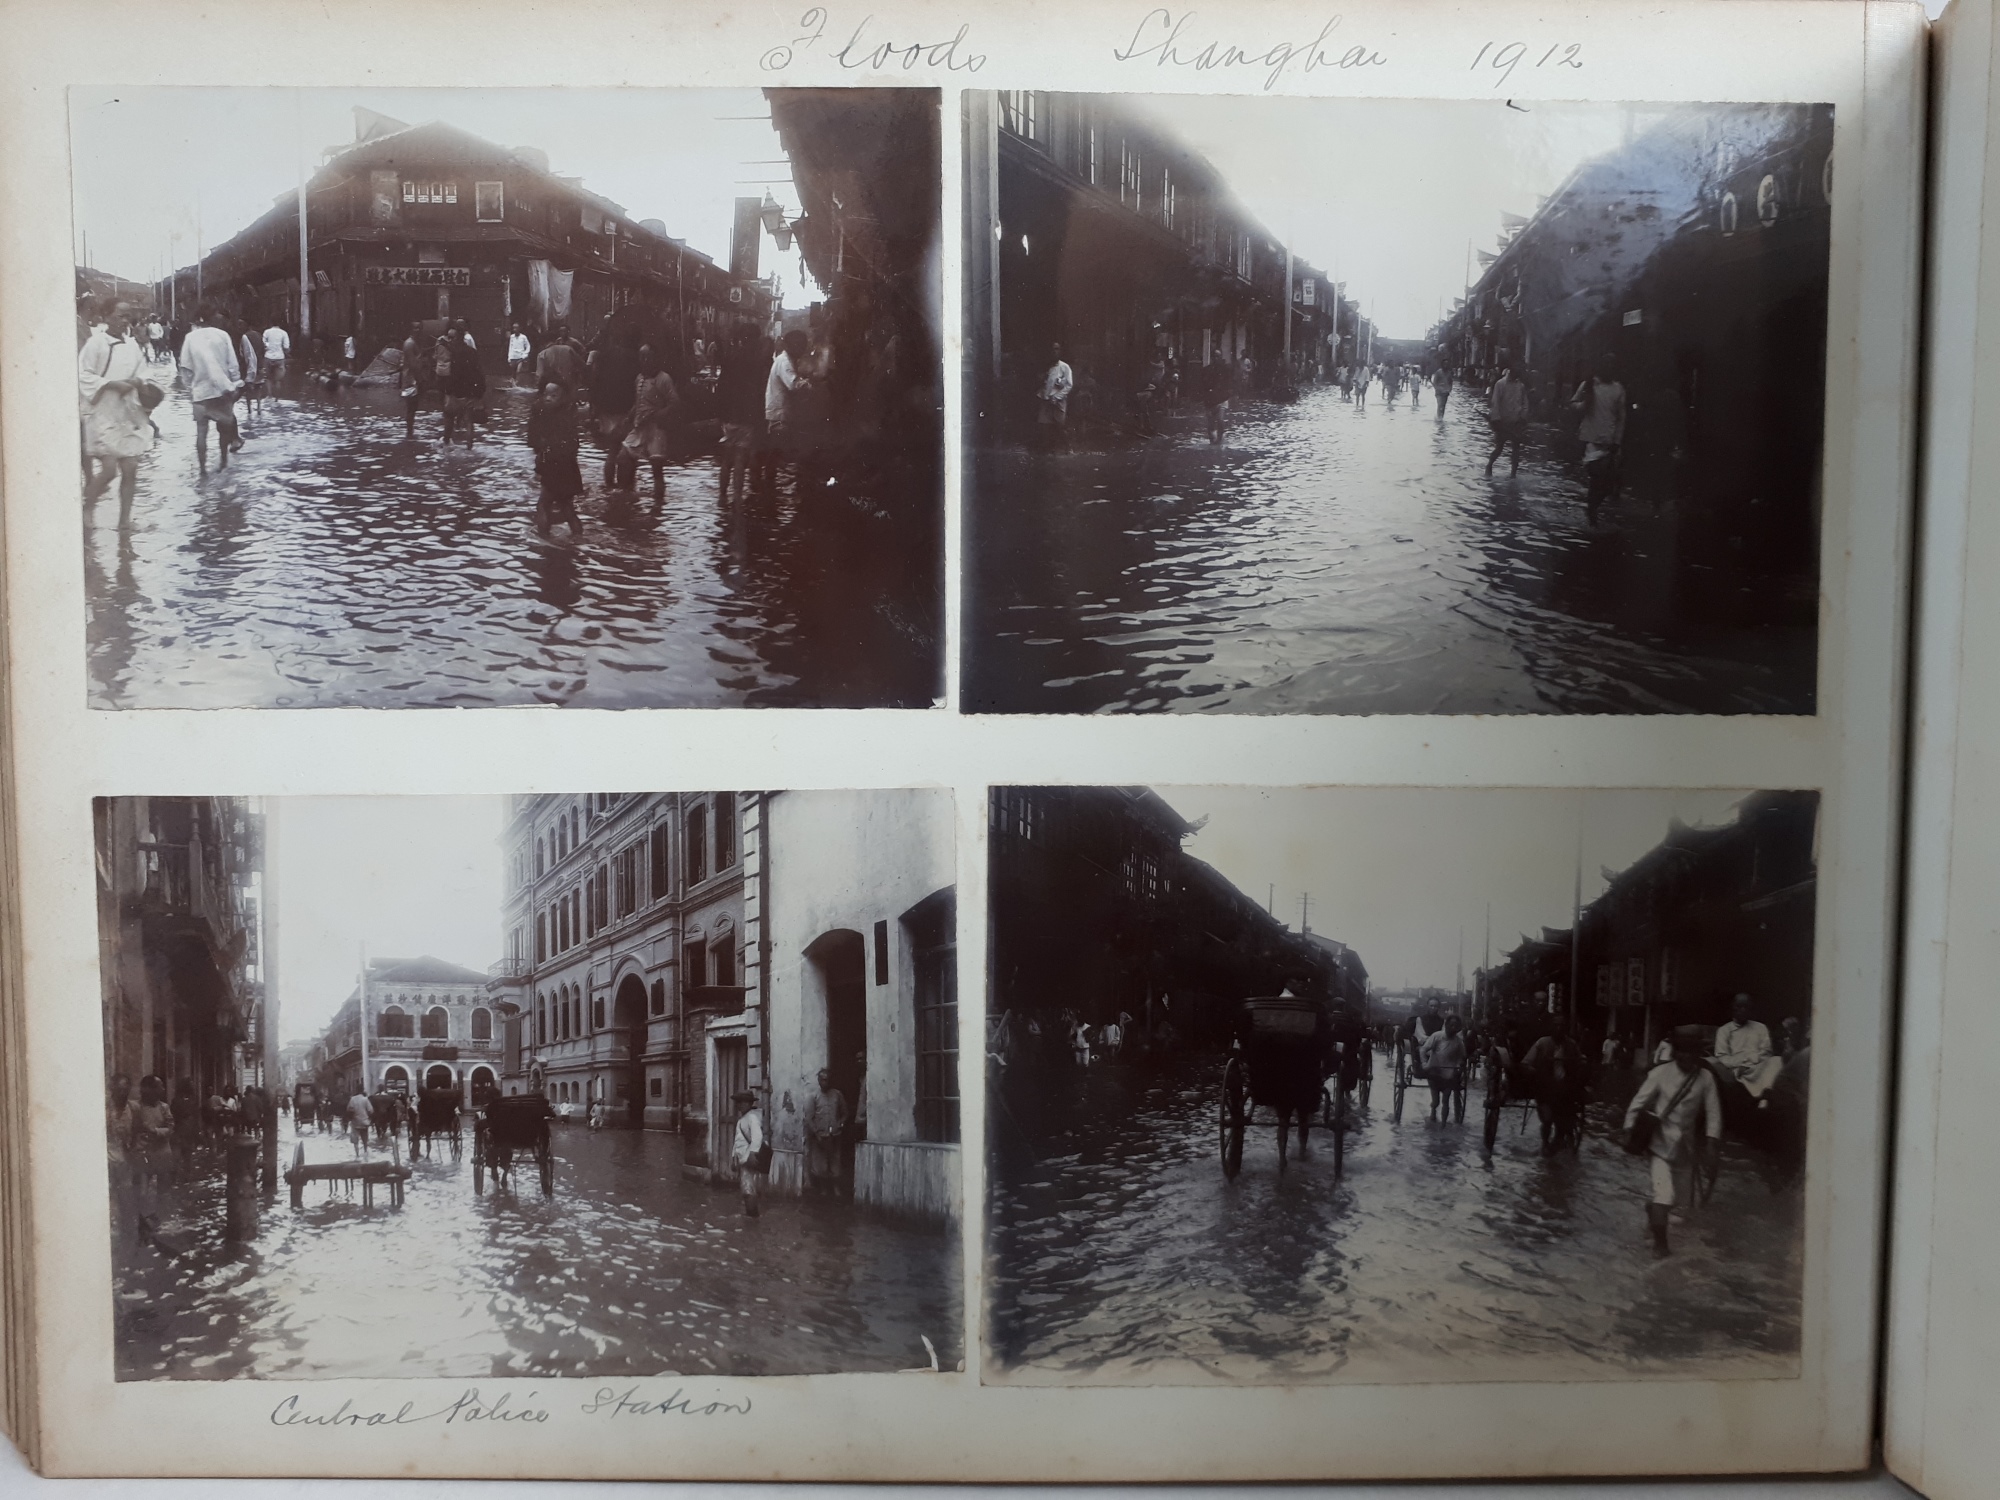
x,y
513,1122
436,1115
1278,1061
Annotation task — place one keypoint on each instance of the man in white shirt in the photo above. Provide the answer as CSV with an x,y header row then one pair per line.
x,y
747,1150
517,353
781,390
208,365
1743,1048
1057,383
277,352
1681,1098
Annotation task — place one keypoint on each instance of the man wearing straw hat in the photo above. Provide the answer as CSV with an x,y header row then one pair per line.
x,y
748,1151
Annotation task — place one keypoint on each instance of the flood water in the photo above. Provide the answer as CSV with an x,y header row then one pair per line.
x,y
1335,558
337,563
1123,1255
628,1269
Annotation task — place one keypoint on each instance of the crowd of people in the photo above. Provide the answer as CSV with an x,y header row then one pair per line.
x,y
762,405
153,1141
1596,409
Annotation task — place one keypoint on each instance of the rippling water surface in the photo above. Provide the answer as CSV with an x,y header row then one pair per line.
x,y
1339,559
337,563
1122,1255
628,1269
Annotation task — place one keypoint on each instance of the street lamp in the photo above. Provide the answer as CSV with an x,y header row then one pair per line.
x,y
773,216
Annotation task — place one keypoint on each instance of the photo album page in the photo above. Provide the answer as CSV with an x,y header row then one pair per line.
x,y
1008,743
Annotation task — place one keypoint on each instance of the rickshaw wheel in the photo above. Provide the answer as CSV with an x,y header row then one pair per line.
x,y
1367,1077
1402,1088
545,1158
457,1142
1230,1127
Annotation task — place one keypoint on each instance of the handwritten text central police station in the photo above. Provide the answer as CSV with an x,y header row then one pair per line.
x,y
1163,37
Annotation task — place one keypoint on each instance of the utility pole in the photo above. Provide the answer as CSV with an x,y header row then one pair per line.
x,y
361,1016
1305,906
267,973
1288,309
305,272
1576,926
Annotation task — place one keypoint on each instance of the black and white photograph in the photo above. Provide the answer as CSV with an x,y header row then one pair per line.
x,y
618,398
1380,406
555,1086
1395,1085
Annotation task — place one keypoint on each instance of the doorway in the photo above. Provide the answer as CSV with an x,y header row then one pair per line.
x,y
628,1024
839,962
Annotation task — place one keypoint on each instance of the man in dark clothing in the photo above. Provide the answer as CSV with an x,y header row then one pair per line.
x,y
461,380
614,384
739,400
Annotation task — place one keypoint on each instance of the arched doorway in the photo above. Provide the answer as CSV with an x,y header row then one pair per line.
x,y
628,1023
838,963
395,1074
437,1076
484,1086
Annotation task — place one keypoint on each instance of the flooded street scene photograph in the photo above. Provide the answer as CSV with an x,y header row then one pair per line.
x,y
700,1118
405,407
1518,411
1522,1096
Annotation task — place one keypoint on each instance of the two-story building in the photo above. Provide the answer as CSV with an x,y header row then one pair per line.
x,y
413,1024
421,223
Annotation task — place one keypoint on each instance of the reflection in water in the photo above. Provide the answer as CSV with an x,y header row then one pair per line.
x,y
337,563
629,1269
1338,559
1122,1254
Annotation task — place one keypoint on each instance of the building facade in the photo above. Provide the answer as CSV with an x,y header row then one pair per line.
x,y
851,906
1697,256
1705,915
1092,226
623,928
1096,910
180,884
423,223
412,1024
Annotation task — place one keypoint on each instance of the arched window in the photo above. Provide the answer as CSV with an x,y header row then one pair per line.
x,y
394,1022
694,846
1767,202
597,1013
725,830
659,997
482,1024
541,1018
541,855
722,958
437,1023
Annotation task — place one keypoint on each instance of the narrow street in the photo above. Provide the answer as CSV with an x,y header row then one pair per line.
x,y
628,1269
1341,558
1123,1255
337,563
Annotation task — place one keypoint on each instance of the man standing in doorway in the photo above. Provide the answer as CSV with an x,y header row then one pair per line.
x,y
208,364
826,1122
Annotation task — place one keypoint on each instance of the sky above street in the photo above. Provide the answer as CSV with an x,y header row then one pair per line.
x,y
147,163
1388,194
1398,874
405,876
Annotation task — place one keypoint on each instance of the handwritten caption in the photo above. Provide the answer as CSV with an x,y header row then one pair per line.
x,y
1504,57
865,48
1164,39
472,1408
